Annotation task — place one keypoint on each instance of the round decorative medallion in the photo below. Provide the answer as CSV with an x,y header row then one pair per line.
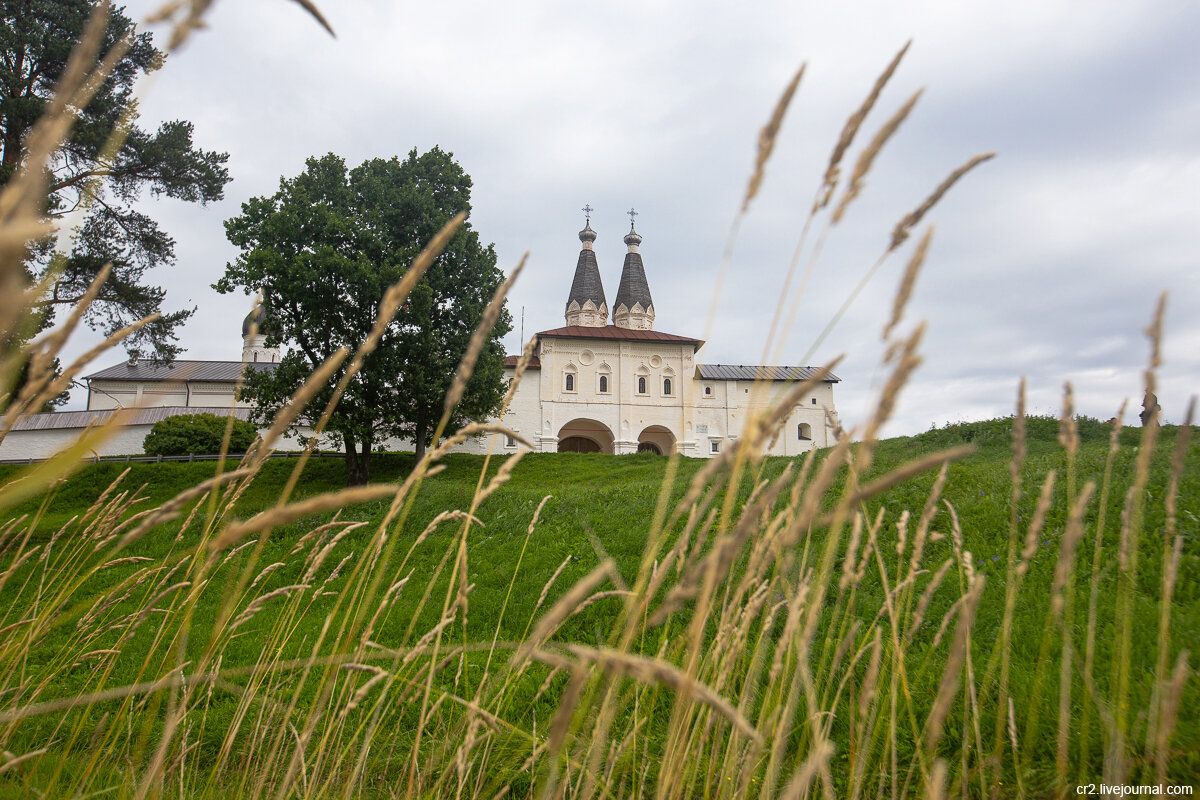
x,y
655,362
587,357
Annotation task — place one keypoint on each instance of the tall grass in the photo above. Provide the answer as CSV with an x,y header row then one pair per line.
x,y
782,635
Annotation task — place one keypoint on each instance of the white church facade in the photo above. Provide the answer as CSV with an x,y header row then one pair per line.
x,y
592,386
625,387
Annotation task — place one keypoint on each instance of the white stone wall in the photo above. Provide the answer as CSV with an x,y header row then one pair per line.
x,y
37,444
148,394
693,418
45,443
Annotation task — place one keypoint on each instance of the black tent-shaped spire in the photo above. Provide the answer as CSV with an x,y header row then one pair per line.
x,y
586,284
634,288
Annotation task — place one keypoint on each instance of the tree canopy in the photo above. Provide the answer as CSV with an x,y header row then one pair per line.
x,y
324,249
36,39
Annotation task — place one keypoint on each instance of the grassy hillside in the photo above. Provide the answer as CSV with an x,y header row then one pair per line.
x,y
290,602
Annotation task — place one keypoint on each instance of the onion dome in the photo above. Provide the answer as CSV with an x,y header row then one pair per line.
x,y
255,317
587,235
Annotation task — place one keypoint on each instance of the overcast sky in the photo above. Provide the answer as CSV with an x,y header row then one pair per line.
x,y
1046,261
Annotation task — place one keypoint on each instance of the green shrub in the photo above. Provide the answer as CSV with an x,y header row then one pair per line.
x,y
197,434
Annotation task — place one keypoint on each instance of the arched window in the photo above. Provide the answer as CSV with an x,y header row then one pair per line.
x,y
708,391
569,384
804,431
667,386
641,385
603,384
256,355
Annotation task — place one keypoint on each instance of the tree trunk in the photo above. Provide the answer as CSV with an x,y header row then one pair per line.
x,y
358,462
419,443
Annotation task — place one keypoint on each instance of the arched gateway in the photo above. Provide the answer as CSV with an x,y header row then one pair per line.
x,y
656,439
585,436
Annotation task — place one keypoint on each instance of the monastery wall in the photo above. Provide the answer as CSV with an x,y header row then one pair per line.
x,y
145,394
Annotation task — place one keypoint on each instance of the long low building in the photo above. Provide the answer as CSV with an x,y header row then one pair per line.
x,y
591,387
40,436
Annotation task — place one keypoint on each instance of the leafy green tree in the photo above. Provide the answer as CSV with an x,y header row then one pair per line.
x,y
324,249
36,38
197,434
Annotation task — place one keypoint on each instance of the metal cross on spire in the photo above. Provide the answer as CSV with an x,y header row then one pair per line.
x,y
588,211
631,214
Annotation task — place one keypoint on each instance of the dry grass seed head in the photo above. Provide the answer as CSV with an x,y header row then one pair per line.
x,y
333,576
445,516
951,676
169,510
908,361
479,338
550,583
519,372
904,227
1068,434
502,476
423,643
1018,441
902,473
871,681
791,627
1172,699
1036,524
654,670
927,514
1070,541
850,129
844,646
275,517
767,136
901,532
267,570
318,380
907,282
869,548
319,557
360,694
867,157
817,762
926,598
563,608
850,559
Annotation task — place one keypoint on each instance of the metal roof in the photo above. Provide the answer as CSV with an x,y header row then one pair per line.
x,y
534,362
743,372
613,332
61,420
179,371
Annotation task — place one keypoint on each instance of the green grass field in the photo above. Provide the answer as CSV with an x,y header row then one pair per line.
x,y
600,507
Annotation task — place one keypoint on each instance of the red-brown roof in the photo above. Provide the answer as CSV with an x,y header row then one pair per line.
x,y
613,332
534,362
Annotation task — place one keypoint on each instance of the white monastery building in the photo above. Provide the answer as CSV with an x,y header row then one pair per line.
x,y
592,387
626,388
